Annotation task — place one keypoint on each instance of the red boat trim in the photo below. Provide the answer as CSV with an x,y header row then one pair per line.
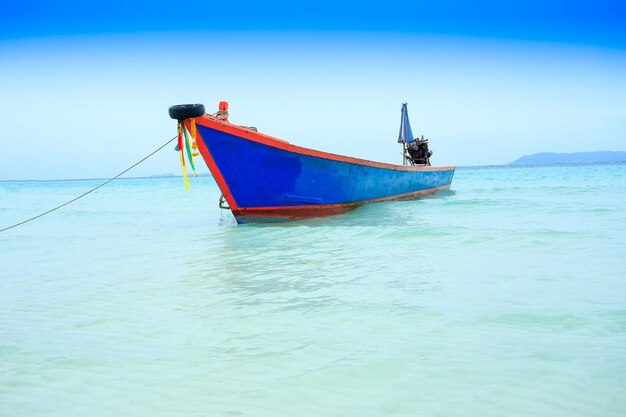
x,y
217,175
248,134
297,212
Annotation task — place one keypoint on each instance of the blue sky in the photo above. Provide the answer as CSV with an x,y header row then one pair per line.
x,y
86,85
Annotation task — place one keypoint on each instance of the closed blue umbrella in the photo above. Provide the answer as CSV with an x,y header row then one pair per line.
x,y
406,136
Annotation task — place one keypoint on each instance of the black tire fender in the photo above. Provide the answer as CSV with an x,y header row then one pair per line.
x,y
186,111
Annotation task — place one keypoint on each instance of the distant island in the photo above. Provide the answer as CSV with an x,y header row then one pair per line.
x,y
570,158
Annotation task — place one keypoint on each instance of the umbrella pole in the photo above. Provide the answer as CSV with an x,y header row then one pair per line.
x,y
403,153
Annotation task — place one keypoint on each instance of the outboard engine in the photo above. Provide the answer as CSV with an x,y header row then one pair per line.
x,y
418,152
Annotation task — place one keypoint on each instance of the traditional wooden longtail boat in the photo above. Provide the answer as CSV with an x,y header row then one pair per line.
x,y
263,178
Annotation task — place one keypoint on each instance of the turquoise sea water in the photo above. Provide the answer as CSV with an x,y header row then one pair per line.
x,y
505,296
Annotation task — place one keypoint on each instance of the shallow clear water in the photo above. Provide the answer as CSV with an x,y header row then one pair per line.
x,y
505,296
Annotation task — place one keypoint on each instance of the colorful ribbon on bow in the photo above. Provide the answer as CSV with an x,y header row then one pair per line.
x,y
187,129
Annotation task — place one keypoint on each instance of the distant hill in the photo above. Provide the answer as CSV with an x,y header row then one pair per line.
x,y
568,158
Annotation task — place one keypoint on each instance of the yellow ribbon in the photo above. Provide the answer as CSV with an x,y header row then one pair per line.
x,y
181,151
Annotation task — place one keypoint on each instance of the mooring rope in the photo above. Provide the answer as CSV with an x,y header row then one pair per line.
x,y
92,190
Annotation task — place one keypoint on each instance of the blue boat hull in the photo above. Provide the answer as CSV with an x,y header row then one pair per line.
x,y
263,178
